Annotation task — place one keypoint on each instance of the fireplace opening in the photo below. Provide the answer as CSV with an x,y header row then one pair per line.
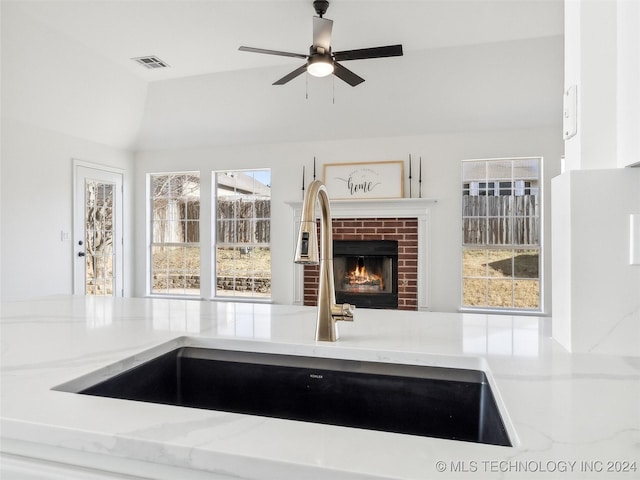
x,y
366,272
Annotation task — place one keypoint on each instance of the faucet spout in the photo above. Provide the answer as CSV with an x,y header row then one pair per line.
x,y
307,253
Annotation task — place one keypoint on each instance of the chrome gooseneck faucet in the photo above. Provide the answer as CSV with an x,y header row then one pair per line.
x,y
307,253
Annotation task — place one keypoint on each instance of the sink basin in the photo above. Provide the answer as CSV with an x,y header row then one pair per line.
x,y
437,402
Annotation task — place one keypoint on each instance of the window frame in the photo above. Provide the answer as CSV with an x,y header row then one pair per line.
x,y
151,243
494,187
255,245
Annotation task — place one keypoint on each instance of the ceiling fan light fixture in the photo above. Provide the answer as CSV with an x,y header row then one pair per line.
x,y
320,65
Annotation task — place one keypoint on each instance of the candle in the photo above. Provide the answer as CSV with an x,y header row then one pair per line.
x,y
410,176
420,178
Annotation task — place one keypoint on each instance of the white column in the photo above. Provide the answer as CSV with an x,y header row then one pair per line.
x,y
596,288
602,60
628,83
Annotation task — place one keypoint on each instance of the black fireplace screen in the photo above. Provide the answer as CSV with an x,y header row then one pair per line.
x,y
366,272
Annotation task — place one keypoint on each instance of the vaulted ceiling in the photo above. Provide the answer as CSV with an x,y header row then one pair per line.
x,y
468,64
201,37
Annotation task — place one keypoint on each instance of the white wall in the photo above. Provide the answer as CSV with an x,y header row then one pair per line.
x,y
596,303
37,206
441,155
59,102
57,84
602,52
485,87
628,77
508,93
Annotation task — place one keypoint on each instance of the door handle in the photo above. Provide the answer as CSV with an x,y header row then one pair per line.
x,y
81,254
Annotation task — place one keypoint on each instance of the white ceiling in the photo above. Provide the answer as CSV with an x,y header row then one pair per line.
x,y
201,37
468,65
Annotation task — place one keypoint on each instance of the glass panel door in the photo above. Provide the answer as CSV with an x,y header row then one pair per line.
x,y
98,245
98,232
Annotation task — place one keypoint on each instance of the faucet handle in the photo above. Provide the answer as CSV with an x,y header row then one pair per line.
x,y
343,312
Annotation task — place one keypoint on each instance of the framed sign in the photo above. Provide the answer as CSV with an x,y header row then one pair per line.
x,y
364,180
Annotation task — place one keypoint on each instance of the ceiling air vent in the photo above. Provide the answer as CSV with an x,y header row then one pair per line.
x,y
151,62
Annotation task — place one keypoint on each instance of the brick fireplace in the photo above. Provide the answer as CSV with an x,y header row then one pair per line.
x,y
402,220
402,230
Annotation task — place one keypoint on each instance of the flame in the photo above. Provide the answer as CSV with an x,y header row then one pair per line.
x,y
361,276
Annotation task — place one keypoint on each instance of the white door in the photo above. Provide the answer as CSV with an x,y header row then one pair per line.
x,y
97,230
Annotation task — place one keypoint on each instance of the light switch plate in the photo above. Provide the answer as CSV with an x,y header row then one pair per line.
x,y
634,239
570,113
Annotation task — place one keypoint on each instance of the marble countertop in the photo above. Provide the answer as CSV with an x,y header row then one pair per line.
x,y
574,415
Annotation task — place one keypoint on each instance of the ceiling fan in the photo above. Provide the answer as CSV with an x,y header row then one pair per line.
x,y
322,61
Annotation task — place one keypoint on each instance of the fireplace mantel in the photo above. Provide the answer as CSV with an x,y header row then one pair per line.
x,y
383,208
418,208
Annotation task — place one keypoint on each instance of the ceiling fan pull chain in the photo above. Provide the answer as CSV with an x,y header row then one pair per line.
x,y
333,89
306,87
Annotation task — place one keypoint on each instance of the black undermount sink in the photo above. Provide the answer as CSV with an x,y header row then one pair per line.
x,y
437,402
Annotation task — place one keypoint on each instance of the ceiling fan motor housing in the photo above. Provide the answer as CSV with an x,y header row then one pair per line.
x,y
321,6
315,50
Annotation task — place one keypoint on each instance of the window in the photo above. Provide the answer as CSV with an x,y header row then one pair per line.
x,y
243,234
501,234
175,234
241,227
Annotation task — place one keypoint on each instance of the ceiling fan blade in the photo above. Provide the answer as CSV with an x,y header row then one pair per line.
x,y
364,53
271,52
292,75
347,75
322,32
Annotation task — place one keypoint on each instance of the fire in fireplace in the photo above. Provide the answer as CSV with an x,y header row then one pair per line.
x,y
357,278
366,272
